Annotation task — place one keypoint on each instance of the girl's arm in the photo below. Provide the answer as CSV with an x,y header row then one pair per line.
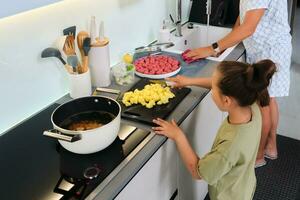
x,y
202,82
188,155
182,81
172,131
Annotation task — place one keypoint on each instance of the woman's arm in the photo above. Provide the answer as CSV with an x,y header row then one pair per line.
x,y
237,35
237,23
244,30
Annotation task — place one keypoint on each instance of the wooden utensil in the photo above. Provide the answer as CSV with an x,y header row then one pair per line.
x,y
69,49
80,38
69,46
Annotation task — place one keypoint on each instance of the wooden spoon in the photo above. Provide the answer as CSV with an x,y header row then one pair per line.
x,y
80,38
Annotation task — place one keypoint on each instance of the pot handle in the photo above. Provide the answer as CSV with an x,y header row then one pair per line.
x,y
58,135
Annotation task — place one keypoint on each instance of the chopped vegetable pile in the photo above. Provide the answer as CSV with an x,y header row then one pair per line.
x,y
151,95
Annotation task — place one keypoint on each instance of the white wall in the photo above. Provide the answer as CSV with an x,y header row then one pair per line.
x,y
16,6
29,83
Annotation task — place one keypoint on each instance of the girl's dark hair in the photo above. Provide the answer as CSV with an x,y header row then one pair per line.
x,y
246,83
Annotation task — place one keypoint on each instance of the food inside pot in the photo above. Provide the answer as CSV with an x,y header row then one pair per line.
x,y
84,125
87,120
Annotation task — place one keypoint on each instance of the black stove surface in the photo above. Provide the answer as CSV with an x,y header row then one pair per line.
x,y
33,166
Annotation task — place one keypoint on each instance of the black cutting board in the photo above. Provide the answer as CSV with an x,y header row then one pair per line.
x,y
139,113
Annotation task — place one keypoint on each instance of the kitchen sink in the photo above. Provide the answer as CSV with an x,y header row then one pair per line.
x,y
199,36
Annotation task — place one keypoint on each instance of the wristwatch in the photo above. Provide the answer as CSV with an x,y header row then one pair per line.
x,y
216,48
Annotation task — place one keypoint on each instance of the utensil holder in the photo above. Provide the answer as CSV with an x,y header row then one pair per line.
x,y
100,65
80,85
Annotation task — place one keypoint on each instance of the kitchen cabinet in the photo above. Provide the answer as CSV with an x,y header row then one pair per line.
x,y
292,5
242,58
165,172
157,179
200,127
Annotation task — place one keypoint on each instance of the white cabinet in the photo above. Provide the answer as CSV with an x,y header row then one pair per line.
x,y
165,172
242,58
157,180
200,127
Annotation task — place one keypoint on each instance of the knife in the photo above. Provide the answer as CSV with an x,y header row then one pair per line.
x,y
163,83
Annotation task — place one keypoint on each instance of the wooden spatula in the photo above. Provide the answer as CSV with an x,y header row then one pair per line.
x,y
80,38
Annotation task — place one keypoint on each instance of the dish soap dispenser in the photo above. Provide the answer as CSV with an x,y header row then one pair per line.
x,y
164,34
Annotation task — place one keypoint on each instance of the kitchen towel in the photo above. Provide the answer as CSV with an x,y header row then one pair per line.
x,y
186,59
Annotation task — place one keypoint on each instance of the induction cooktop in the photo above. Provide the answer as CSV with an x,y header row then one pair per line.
x,y
37,167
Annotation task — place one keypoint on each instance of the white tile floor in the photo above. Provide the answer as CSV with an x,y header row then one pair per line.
x,y
289,108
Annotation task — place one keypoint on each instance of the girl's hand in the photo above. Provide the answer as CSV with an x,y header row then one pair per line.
x,y
168,129
202,52
180,81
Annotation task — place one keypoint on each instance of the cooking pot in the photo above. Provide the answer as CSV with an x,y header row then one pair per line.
x,y
103,109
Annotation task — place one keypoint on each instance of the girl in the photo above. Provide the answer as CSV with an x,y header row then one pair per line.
x,y
263,27
229,167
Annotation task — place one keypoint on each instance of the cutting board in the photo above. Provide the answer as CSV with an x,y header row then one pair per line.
x,y
142,114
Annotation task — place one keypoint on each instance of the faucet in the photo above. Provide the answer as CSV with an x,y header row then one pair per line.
x,y
177,23
208,13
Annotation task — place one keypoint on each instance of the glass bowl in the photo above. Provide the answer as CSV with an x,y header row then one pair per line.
x,y
123,73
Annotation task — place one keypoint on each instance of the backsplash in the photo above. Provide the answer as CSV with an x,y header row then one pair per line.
x,y
29,83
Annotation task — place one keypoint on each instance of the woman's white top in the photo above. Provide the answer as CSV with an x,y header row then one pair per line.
x,y
271,40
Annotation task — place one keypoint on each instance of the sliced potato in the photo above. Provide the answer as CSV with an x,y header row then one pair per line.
x,y
151,95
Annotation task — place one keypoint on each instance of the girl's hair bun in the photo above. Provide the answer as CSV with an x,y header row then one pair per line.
x,y
258,75
246,83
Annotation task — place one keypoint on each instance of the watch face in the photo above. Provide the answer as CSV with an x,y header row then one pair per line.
x,y
215,45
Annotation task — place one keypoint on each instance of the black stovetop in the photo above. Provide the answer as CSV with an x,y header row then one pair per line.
x,y
33,166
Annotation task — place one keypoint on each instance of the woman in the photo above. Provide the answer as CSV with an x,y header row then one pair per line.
x,y
263,27
229,167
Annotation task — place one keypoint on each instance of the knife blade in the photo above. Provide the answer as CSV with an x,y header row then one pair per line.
x,y
163,83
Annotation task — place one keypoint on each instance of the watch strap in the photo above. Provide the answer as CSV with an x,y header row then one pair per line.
x,y
216,48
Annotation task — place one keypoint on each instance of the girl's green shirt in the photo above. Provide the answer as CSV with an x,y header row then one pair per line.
x,y
229,167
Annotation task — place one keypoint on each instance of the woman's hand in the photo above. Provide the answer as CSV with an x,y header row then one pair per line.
x,y
180,81
168,129
202,52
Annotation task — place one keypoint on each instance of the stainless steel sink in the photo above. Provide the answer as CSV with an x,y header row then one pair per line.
x,y
199,36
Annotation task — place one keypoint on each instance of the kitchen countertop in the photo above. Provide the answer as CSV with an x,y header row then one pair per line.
x,y
119,178
117,181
